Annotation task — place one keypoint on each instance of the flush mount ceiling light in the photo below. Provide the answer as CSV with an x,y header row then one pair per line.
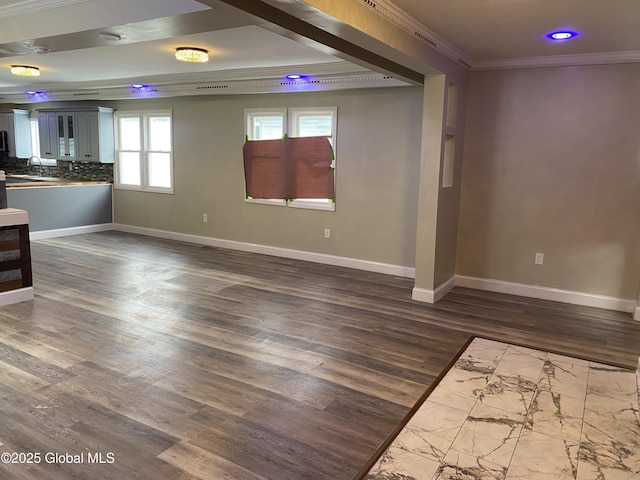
x,y
190,54
112,37
25,71
562,35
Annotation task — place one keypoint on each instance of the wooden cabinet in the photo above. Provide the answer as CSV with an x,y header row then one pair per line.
x,y
16,282
84,135
16,124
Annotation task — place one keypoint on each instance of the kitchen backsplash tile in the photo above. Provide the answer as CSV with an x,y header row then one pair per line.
x,y
76,170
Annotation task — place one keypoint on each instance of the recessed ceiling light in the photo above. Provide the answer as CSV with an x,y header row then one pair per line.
x,y
562,35
191,54
25,71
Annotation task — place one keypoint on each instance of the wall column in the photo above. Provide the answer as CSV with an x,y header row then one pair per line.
x,y
429,187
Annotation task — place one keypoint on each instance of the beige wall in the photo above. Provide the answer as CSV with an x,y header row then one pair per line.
x,y
437,223
552,165
378,154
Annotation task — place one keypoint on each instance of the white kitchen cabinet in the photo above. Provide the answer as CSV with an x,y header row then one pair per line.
x,y
16,124
83,134
66,135
48,135
95,137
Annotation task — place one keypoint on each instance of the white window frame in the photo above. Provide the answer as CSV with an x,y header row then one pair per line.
x,y
249,115
144,116
294,113
35,145
290,127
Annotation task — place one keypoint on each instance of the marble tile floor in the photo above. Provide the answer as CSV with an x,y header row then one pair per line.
x,y
505,412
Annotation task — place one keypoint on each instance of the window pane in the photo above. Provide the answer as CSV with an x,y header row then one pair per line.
x,y
35,137
129,133
314,125
159,170
268,127
160,134
129,168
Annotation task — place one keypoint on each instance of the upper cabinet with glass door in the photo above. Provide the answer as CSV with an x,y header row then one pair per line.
x,y
83,135
66,135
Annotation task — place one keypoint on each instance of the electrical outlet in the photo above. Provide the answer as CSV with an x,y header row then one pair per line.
x,y
539,259
205,219
327,233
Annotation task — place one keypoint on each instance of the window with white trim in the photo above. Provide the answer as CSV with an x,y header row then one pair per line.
x,y
144,151
265,124
270,124
35,145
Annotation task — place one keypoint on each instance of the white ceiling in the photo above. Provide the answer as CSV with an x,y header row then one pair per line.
x,y
503,32
488,34
233,48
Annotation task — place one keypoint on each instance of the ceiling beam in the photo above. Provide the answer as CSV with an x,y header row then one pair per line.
x,y
303,31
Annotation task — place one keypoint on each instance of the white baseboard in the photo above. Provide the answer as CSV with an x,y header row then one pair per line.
x,y
16,296
423,295
547,293
65,232
369,266
432,296
419,294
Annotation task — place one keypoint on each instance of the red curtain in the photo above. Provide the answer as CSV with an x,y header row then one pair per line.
x,y
289,168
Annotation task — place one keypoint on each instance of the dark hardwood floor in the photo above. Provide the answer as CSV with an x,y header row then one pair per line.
x,y
178,361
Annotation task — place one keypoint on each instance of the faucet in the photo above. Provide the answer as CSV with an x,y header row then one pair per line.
x,y
31,162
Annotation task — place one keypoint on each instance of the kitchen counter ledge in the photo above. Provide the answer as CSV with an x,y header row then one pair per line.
x,y
21,181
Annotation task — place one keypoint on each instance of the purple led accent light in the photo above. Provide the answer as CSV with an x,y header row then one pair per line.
x,y
561,35
294,76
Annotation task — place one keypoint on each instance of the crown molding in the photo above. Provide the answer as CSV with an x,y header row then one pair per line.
x,y
234,87
395,15
330,75
339,68
403,20
559,61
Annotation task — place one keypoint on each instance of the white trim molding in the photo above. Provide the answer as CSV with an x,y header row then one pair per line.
x,y
432,296
418,294
547,293
94,91
16,296
65,232
559,60
401,19
366,265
